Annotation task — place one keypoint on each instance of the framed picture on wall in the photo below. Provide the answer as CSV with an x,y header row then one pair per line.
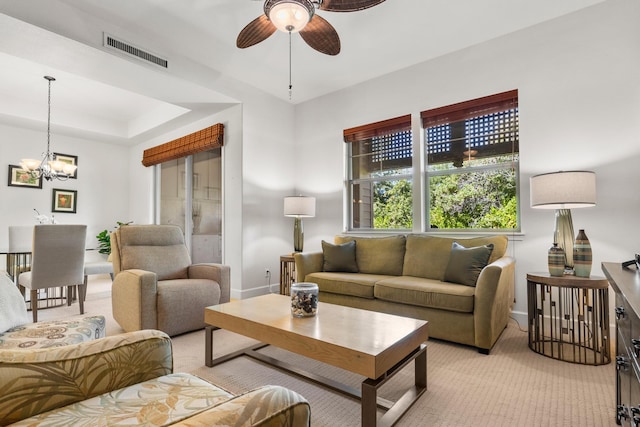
x,y
64,200
67,158
19,177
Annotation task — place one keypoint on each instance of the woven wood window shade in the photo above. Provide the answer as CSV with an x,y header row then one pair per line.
x,y
385,127
202,140
479,128
470,109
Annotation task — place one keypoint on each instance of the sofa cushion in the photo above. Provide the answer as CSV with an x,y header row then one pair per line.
x,y
339,257
154,258
378,255
465,264
180,304
354,284
426,293
159,402
54,333
148,247
428,256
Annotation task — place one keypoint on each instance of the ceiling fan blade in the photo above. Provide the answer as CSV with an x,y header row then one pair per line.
x,y
256,31
321,36
348,5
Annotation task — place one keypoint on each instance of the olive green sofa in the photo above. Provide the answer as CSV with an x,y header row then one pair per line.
x,y
127,379
420,276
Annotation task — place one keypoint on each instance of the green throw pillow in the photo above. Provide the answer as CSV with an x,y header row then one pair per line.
x,y
340,257
465,264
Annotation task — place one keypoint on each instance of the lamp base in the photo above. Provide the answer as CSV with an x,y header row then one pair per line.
x,y
298,235
563,235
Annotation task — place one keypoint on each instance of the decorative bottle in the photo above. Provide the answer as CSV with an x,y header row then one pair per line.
x,y
556,260
582,257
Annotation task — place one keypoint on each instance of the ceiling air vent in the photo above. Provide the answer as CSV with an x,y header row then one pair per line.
x,y
131,50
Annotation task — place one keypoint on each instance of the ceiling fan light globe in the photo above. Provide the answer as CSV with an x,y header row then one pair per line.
x,y
289,16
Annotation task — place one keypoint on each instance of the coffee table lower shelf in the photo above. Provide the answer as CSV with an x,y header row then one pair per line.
x,y
368,394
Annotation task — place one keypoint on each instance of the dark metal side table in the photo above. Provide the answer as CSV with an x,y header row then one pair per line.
x,y
568,318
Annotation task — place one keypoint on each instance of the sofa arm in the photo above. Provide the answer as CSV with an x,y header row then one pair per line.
x,y
44,379
218,272
307,263
267,406
493,301
133,299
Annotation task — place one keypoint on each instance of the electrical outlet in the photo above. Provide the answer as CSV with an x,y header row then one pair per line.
x,y
267,272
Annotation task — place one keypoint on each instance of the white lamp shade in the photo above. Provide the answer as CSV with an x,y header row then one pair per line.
x,y
563,190
56,165
30,164
300,206
69,169
289,16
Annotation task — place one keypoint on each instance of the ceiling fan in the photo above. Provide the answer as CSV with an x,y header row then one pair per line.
x,y
292,16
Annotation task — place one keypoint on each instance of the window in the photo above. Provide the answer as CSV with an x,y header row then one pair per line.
x,y
471,165
203,226
188,188
380,172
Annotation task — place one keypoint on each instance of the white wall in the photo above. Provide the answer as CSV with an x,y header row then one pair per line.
x,y
579,103
102,183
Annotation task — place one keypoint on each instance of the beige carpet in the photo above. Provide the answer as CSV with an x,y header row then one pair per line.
x,y
513,386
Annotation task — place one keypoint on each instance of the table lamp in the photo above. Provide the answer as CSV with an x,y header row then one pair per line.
x,y
563,191
299,207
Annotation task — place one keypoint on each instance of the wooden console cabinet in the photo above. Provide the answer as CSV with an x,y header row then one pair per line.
x,y
626,284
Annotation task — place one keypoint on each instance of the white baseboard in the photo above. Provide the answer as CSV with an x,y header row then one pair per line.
x,y
274,288
521,318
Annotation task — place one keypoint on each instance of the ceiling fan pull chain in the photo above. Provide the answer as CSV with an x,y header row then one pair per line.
x,y
290,86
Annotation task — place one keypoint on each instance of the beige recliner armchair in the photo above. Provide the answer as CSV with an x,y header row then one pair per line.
x,y
155,284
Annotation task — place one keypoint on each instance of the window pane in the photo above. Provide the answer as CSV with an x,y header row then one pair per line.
x,y
480,137
385,204
474,199
206,242
380,155
172,193
471,165
206,202
380,182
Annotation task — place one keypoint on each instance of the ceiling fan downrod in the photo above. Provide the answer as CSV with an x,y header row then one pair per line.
x,y
290,85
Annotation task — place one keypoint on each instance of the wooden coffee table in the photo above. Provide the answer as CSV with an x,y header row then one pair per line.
x,y
374,345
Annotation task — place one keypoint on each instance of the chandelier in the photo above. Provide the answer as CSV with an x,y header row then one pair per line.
x,y
49,167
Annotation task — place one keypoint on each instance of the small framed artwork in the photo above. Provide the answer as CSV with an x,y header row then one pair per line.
x,y
67,158
64,201
19,177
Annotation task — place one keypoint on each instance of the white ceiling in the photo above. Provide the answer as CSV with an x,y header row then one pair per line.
x,y
99,97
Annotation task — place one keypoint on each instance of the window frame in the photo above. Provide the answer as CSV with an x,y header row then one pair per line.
x,y
419,175
461,112
362,134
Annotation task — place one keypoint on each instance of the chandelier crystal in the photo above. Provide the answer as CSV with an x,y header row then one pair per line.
x,y
49,167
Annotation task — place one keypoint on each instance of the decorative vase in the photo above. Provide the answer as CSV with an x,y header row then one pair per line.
x,y
582,257
304,299
556,260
